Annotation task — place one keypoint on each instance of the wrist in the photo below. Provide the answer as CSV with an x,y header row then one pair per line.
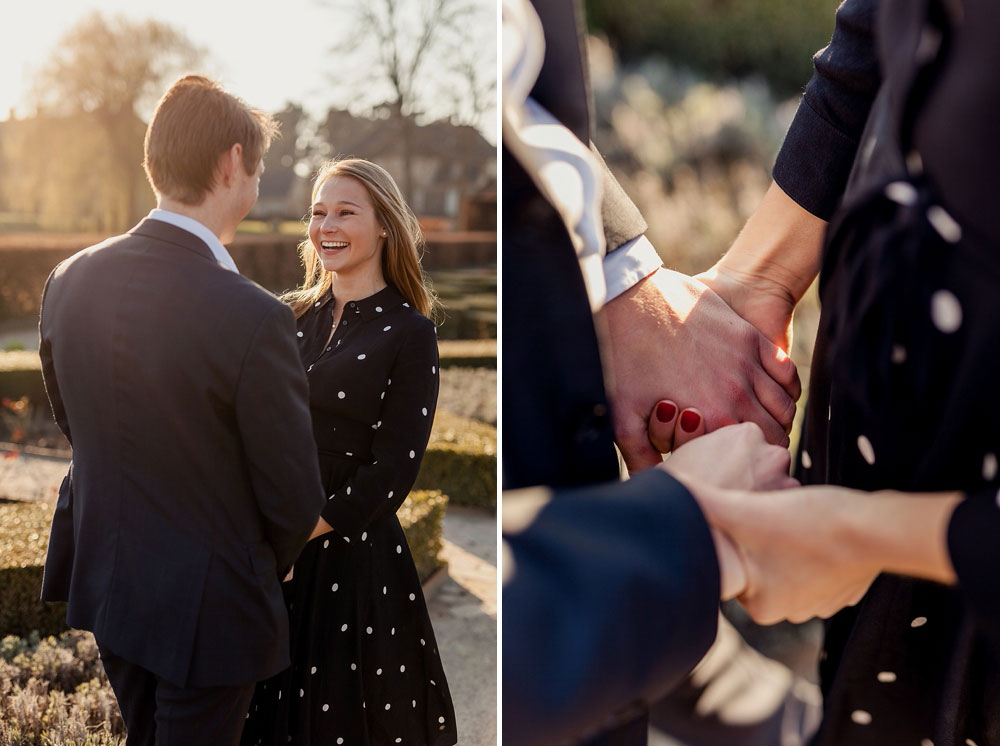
x,y
905,534
779,248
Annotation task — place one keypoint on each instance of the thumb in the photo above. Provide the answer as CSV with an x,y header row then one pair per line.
x,y
632,436
732,567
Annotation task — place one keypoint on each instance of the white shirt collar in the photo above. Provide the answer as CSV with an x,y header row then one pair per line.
x,y
198,229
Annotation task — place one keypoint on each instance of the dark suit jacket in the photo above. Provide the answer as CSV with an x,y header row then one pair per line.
x,y
613,589
194,481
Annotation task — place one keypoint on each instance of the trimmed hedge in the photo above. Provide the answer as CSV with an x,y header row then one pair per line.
x,y
461,460
724,38
21,375
468,353
270,260
422,517
24,539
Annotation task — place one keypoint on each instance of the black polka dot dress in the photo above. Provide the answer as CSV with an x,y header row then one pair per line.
x,y
905,394
365,664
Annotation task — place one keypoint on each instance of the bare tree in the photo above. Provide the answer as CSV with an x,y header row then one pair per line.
x,y
110,71
401,62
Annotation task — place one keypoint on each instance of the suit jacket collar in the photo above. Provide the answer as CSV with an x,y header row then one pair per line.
x,y
157,229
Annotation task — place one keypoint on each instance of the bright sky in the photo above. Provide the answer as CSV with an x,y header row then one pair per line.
x,y
268,53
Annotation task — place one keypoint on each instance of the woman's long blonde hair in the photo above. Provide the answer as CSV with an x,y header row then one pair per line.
x,y
400,253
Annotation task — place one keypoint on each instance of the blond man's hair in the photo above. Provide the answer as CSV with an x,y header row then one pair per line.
x,y
195,122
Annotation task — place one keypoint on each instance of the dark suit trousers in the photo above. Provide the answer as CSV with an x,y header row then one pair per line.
x,y
158,713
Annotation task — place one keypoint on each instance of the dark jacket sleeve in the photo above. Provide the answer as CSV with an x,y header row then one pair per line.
x,y
611,596
972,545
815,159
272,411
379,487
48,368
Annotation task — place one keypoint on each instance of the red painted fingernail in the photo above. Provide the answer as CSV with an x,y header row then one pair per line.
x,y
690,421
665,411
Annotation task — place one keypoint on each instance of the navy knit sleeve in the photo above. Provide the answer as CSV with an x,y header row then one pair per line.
x,y
815,159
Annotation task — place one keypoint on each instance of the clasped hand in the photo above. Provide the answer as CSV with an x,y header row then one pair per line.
x,y
772,554
671,337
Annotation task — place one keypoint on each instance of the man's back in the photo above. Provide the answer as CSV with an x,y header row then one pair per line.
x,y
194,479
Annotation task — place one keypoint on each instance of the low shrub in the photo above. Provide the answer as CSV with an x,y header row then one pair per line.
x,y
468,353
461,461
422,515
24,539
54,691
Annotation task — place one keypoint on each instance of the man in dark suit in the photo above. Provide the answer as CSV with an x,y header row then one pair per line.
x,y
194,482
611,588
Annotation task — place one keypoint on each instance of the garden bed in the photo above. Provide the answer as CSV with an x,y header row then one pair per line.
x,y
24,539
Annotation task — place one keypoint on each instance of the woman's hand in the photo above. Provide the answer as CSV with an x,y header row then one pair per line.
x,y
770,265
732,457
813,550
763,301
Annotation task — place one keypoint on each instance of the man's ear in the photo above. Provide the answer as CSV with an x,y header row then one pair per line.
x,y
231,160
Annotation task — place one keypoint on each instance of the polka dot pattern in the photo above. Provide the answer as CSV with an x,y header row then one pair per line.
x,y
866,449
901,192
946,311
944,224
861,717
989,467
349,384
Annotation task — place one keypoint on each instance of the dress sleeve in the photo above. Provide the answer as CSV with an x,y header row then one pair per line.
x,y
379,488
816,157
972,544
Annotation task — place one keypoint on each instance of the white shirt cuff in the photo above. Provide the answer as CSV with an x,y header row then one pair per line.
x,y
633,261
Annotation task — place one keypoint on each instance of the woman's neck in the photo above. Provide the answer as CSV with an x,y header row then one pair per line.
x,y
354,286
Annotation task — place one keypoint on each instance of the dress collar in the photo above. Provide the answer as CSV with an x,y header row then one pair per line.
x,y
385,300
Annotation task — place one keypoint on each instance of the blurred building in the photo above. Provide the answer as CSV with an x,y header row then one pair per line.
x,y
453,167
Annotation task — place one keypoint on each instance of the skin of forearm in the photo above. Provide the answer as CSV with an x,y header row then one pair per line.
x,y
322,527
780,246
902,533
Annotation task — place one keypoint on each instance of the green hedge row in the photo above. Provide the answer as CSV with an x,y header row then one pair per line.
x,y
422,517
461,461
24,539
775,39
270,260
468,353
